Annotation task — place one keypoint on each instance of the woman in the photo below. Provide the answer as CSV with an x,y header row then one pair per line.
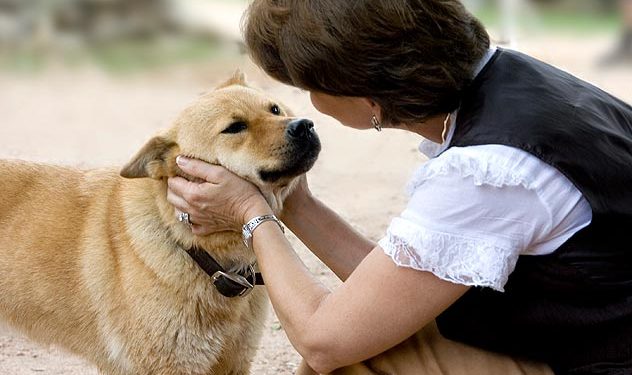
x,y
514,238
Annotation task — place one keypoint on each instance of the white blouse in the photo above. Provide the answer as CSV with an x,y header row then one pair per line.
x,y
473,210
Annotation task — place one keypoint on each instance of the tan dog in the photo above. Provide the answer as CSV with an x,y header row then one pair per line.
x,y
98,264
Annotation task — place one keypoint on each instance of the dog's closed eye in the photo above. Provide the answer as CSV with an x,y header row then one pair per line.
x,y
235,127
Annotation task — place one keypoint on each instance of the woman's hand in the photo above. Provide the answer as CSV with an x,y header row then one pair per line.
x,y
223,203
297,199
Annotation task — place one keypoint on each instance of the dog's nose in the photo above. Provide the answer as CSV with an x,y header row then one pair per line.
x,y
299,128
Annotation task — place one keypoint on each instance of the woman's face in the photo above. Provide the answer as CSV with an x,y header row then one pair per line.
x,y
350,111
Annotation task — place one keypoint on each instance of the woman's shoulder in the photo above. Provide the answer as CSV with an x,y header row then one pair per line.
x,y
474,210
502,182
492,164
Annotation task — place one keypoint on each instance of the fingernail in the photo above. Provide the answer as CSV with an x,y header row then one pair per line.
x,y
181,160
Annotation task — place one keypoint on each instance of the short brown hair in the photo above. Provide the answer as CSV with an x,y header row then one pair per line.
x,y
412,57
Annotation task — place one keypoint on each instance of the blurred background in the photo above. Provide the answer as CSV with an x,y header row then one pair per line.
x,y
126,35
87,82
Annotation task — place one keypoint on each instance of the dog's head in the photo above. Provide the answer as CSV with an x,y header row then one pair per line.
x,y
240,128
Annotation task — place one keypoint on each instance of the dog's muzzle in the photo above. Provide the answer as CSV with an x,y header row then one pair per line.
x,y
303,147
300,129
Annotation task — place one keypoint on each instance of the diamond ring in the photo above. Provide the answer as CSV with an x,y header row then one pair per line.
x,y
185,218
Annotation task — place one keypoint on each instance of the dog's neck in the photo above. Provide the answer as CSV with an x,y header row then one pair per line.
x,y
275,198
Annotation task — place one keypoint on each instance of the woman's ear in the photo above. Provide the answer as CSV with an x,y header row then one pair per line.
x,y
374,106
155,160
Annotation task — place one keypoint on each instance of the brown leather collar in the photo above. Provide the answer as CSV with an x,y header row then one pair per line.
x,y
228,283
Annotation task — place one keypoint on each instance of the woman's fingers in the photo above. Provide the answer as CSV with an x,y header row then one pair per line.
x,y
197,168
181,205
219,204
203,223
176,200
183,188
200,230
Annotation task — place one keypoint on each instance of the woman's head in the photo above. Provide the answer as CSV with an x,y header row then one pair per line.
x,y
411,57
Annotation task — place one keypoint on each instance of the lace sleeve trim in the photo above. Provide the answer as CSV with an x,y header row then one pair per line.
x,y
458,259
484,169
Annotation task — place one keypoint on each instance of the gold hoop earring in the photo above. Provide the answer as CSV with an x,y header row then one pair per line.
x,y
376,123
445,127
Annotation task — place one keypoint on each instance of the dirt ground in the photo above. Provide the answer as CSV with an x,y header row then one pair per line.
x,y
86,118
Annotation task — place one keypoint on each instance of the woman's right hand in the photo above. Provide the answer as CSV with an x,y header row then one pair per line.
x,y
223,202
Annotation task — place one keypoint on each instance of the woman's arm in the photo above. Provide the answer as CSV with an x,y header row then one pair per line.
x,y
378,306
325,233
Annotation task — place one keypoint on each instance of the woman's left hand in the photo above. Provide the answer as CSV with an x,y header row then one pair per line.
x,y
222,203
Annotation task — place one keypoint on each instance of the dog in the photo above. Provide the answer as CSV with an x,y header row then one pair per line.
x,y
96,261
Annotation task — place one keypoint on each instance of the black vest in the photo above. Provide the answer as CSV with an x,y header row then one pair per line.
x,y
571,309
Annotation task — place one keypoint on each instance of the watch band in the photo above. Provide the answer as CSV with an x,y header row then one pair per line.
x,y
253,223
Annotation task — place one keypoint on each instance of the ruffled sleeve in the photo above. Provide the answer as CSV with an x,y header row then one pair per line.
x,y
458,259
470,215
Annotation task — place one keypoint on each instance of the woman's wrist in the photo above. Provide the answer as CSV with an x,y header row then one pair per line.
x,y
256,207
295,204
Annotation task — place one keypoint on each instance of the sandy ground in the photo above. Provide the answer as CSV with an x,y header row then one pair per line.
x,y
86,118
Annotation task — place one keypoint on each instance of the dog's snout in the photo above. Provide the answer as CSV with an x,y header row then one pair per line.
x,y
300,128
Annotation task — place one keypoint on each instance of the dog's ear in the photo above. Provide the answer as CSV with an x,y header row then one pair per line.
x,y
238,78
155,160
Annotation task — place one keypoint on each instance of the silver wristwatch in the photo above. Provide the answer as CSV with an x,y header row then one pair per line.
x,y
249,227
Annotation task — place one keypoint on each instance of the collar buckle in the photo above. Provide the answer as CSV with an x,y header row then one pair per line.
x,y
234,284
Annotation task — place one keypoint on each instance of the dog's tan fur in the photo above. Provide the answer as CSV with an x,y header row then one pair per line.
x,y
95,262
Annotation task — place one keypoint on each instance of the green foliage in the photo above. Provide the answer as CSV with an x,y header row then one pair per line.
x,y
136,55
119,57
